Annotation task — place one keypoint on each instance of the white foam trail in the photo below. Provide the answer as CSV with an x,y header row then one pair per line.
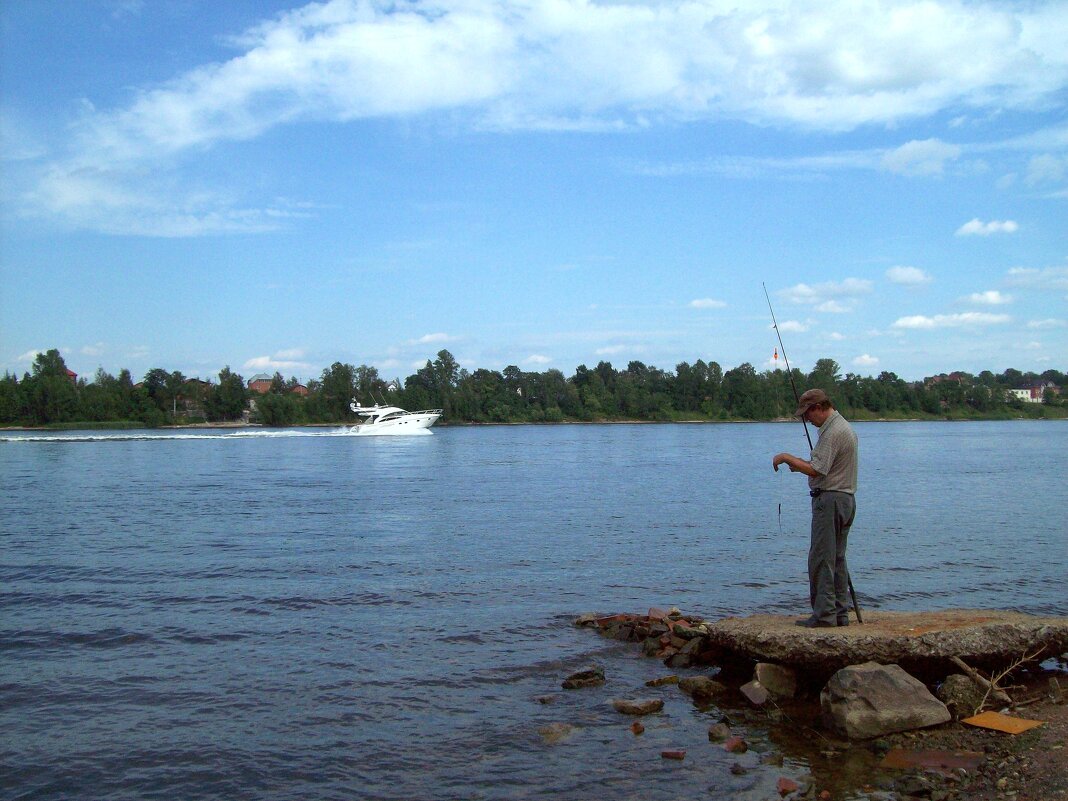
x,y
146,436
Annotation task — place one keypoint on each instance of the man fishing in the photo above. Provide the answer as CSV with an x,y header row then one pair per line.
x,y
832,482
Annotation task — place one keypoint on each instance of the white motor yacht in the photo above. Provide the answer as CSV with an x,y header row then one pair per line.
x,y
379,419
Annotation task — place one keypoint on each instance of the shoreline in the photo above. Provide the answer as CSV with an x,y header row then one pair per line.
x,y
946,761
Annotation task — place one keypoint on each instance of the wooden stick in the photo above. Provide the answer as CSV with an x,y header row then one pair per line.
x,y
985,684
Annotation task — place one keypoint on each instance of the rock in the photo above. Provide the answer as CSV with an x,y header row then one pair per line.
x,y
870,700
586,619
591,677
739,769
679,661
786,786
736,745
637,727
662,681
673,754
779,681
686,632
960,695
623,632
637,706
554,733
755,692
718,732
700,686
694,646
546,699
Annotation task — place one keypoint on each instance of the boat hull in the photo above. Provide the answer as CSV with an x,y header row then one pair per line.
x,y
415,424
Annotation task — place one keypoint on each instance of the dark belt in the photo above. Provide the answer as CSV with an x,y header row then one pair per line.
x,y
815,493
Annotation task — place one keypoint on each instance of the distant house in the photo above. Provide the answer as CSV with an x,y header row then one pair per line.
x,y
301,390
71,375
955,378
261,383
1034,392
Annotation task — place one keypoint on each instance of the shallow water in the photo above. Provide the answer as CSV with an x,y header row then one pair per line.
x,y
303,614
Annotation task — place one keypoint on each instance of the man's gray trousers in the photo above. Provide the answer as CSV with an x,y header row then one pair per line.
x,y
828,574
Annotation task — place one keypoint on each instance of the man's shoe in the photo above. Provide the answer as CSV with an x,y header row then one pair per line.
x,y
812,623
843,621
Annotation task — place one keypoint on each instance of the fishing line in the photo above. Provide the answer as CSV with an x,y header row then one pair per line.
x,y
781,473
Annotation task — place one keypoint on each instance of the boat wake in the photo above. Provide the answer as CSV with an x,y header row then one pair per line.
x,y
206,435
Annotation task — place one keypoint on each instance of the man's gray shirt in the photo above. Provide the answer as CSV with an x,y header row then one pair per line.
x,y
835,457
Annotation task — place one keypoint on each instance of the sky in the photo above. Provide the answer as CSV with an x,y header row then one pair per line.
x,y
276,186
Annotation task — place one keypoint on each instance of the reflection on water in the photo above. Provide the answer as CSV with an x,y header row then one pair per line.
x,y
307,614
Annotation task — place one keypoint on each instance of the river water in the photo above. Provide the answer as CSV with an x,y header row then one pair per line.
x,y
303,614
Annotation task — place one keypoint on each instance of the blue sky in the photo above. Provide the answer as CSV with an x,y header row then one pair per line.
x,y
276,186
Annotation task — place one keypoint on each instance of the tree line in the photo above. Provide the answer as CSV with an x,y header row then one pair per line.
x,y
48,394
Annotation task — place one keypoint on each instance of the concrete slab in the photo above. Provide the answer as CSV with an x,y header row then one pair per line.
x,y
921,641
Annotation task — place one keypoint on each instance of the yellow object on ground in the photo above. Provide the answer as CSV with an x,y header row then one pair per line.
x,y
999,722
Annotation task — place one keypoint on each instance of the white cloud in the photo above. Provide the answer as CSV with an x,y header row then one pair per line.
x,y
832,307
537,358
865,360
430,339
975,227
610,350
707,303
565,65
834,336
1047,279
831,296
96,349
927,157
920,321
908,276
990,298
29,355
1047,324
281,361
291,353
793,326
1046,168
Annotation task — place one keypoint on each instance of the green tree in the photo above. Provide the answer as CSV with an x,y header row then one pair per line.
x,y
276,409
824,376
11,404
50,395
337,388
228,399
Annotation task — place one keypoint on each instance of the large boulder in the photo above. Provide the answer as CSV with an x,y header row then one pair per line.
x,y
871,700
961,696
778,680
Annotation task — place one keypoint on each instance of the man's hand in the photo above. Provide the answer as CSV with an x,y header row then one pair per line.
x,y
795,463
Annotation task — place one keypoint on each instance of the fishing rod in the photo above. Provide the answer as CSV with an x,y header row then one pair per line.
x,y
789,372
797,399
